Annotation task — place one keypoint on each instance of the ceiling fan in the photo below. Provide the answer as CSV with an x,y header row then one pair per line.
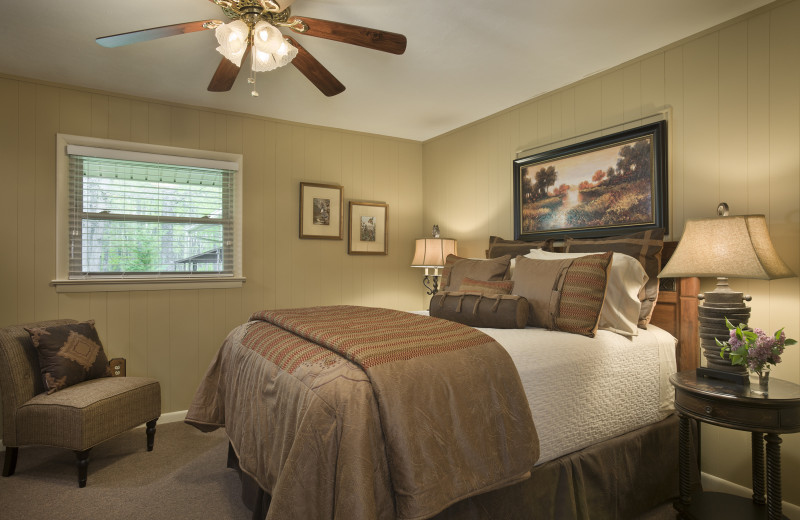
x,y
253,30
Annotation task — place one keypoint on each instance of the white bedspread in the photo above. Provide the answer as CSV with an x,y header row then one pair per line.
x,y
586,390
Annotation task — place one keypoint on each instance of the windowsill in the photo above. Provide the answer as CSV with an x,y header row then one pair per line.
x,y
146,284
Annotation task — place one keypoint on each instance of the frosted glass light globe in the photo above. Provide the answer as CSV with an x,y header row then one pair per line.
x,y
232,38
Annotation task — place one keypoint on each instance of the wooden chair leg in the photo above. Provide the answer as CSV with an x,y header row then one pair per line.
x,y
83,464
151,433
10,462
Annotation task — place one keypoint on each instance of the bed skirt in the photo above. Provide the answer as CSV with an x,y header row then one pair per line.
x,y
620,478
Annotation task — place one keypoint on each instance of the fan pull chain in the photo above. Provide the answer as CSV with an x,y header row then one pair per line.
x,y
252,79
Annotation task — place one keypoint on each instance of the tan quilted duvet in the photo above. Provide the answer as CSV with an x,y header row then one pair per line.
x,y
363,413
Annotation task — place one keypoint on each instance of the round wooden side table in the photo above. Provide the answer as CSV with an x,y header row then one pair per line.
x,y
730,405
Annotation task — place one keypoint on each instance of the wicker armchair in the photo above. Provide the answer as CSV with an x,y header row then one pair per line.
x,y
78,417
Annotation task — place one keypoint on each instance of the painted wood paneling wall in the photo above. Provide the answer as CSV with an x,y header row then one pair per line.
x,y
172,335
734,93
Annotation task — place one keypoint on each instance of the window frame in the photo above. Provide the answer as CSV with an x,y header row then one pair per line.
x,y
135,282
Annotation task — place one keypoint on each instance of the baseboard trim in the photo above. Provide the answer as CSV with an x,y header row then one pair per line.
x,y
712,483
170,417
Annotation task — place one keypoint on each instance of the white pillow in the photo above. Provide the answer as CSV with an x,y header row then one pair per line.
x,y
626,278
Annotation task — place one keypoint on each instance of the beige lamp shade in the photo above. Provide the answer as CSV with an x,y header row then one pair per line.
x,y
727,247
432,252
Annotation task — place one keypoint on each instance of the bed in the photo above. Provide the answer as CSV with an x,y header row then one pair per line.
x,y
602,449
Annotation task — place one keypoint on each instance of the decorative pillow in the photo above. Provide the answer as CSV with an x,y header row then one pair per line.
x,y
644,246
457,268
486,288
69,354
499,311
626,279
500,246
566,294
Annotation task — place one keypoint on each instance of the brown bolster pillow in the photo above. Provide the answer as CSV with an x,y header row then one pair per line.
x,y
495,311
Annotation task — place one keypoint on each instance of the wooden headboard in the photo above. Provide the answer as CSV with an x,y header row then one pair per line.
x,y
676,312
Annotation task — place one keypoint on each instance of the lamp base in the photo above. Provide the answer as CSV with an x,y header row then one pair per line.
x,y
432,286
732,377
720,304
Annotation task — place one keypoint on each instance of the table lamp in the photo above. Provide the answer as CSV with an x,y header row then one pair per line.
x,y
724,247
430,254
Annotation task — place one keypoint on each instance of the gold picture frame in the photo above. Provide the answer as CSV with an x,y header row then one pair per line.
x,y
369,230
321,211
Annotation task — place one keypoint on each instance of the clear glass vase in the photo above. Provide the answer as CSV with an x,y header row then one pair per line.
x,y
759,382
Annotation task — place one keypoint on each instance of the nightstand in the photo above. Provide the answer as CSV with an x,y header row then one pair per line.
x,y
730,405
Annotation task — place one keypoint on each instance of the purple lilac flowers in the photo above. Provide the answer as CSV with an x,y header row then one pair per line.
x,y
754,349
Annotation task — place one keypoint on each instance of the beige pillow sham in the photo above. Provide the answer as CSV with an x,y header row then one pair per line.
x,y
626,279
457,268
566,294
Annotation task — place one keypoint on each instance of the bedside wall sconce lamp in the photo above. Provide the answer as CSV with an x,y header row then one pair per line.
x,y
724,247
430,254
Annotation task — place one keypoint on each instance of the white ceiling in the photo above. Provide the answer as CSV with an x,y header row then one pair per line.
x,y
465,59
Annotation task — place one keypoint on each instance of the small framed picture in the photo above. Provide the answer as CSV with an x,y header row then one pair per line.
x,y
321,211
369,231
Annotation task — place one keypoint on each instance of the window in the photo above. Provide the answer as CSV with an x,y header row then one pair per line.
x,y
146,216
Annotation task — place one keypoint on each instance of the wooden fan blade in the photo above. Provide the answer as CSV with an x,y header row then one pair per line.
x,y
352,34
315,72
226,74
117,40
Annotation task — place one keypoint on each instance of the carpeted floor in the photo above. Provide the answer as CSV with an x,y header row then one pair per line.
x,y
184,477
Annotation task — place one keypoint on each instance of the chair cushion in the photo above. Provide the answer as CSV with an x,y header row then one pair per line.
x,y
86,414
69,354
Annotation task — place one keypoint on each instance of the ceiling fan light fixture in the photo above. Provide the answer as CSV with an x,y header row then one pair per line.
x,y
262,61
271,50
283,50
266,38
232,38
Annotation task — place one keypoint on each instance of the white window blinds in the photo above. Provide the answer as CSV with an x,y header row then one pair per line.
x,y
133,215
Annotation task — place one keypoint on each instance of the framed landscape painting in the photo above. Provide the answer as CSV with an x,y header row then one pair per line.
x,y
606,186
321,211
369,233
